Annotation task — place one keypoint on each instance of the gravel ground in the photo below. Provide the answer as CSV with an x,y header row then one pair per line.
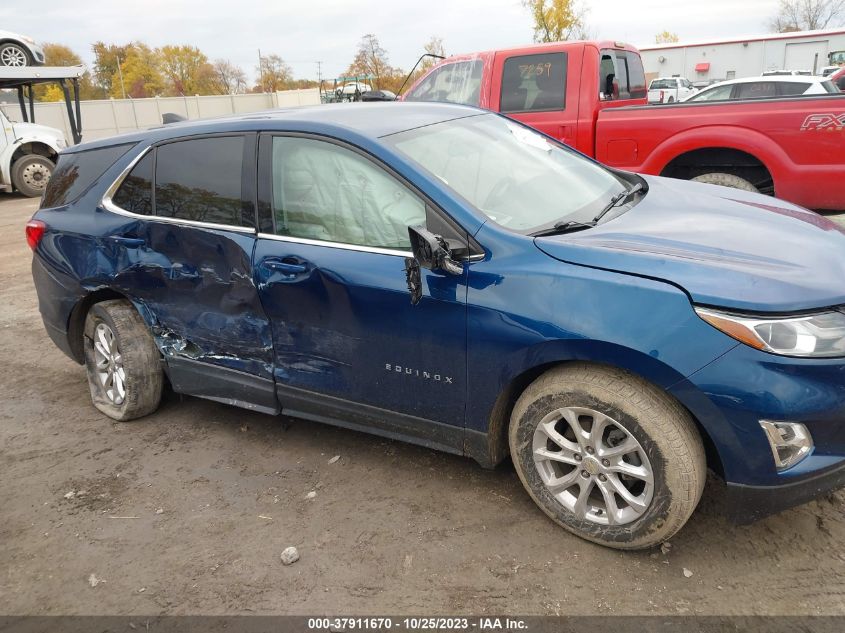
x,y
188,512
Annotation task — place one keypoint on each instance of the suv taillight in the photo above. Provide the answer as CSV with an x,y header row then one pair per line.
x,y
34,232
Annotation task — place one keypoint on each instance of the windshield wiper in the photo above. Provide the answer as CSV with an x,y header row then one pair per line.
x,y
564,227
618,199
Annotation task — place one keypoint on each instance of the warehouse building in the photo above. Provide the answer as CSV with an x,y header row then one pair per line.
x,y
703,62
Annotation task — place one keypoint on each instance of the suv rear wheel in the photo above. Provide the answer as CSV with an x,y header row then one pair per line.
x,y
607,455
122,361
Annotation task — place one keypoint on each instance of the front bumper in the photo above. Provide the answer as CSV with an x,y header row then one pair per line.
x,y
746,504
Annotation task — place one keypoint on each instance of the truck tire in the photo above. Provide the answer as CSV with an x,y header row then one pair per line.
x,y
31,173
122,361
726,180
607,455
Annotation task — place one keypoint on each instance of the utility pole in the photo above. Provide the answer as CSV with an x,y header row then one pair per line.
x,y
319,72
261,71
120,74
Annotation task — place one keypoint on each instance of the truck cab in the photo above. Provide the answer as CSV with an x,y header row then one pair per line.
x,y
28,154
557,88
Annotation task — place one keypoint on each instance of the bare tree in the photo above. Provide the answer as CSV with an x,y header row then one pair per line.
x,y
807,15
230,78
371,59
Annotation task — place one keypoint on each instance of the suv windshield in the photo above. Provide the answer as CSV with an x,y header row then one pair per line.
x,y
518,178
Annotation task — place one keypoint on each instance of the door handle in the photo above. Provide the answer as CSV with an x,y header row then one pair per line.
x,y
287,268
129,242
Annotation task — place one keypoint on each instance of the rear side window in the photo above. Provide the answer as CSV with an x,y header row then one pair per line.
x,y
788,89
200,180
757,90
621,75
459,82
75,172
136,192
534,83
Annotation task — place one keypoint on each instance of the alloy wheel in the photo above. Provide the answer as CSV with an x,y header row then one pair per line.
x,y
12,56
109,364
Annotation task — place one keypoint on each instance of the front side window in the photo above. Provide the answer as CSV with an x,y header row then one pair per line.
x,y
459,82
326,192
718,93
200,180
515,176
534,83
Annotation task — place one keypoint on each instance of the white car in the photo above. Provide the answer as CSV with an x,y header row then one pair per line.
x,y
19,50
669,89
770,87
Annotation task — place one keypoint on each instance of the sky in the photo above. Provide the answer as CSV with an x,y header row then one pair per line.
x,y
328,31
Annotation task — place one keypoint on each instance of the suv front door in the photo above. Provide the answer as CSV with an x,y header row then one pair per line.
x,y
349,346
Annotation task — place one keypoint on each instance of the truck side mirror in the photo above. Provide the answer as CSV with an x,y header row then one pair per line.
x,y
432,252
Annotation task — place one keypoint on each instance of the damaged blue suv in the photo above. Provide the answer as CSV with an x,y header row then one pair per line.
x,y
444,275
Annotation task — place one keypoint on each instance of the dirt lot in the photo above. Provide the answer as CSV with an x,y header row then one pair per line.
x,y
187,511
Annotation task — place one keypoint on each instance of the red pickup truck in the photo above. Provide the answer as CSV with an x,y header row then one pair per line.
x,y
793,147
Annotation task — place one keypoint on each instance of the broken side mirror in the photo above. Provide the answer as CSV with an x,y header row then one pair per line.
x,y
432,251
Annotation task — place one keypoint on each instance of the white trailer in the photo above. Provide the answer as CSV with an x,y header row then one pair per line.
x,y
705,61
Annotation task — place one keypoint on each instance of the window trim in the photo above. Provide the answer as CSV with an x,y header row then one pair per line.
x,y
529,111
265,197
108,203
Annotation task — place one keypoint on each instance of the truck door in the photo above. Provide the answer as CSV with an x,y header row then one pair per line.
x,y
537,89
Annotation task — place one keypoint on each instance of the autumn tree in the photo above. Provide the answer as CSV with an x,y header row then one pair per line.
x,y
273,74
807,15
229,78
186,70
557,20
61,55
106,59
138,75
371,59
666,37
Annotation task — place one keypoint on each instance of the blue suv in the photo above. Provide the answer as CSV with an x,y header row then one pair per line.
x,y
447,276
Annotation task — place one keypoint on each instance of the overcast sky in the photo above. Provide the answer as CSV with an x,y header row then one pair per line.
x,y
329,30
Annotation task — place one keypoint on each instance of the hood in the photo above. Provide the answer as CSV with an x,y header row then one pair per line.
x,y
724,247
36,132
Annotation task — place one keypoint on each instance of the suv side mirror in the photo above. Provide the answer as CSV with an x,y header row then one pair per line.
x,y
432,251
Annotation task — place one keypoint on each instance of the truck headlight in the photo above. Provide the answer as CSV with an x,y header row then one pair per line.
x,y
820,335
790,441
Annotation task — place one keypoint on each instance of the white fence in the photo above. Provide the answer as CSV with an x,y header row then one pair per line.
x,y
114,116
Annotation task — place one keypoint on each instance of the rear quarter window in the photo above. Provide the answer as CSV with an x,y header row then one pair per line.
x,y
77,171
791,88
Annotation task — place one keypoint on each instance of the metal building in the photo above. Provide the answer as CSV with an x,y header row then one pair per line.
x,y
744,57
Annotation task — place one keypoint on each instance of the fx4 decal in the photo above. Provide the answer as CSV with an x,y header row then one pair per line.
x,y
828,121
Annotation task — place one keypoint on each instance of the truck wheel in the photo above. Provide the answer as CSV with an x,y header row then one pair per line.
x,y
31,173
122,361
726,180
607,455
671,99
14,55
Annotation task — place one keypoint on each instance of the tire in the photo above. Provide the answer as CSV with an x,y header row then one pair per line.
x,y
620,407
31,173
14,55
119,349
726,180
671,99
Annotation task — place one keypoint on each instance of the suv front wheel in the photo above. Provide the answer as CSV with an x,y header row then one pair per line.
x,y
607,455
122,361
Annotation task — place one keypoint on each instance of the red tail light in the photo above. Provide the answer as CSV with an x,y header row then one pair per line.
x,y
661,96
34,232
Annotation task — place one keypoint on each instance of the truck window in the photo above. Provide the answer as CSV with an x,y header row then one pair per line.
x,y
718,93
626,68
792,88
534,83
455,83
77,171
663,84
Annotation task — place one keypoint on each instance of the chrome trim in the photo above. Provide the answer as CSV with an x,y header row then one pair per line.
x,y
348,247
109,205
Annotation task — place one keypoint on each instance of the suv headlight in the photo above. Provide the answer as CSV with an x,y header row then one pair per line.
x,y
820,335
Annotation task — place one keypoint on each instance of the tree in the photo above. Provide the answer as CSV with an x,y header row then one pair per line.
x,y
807,15
371,59
61,55
186,70
273,74
106,60
666,37
557,20
138,74
229,78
